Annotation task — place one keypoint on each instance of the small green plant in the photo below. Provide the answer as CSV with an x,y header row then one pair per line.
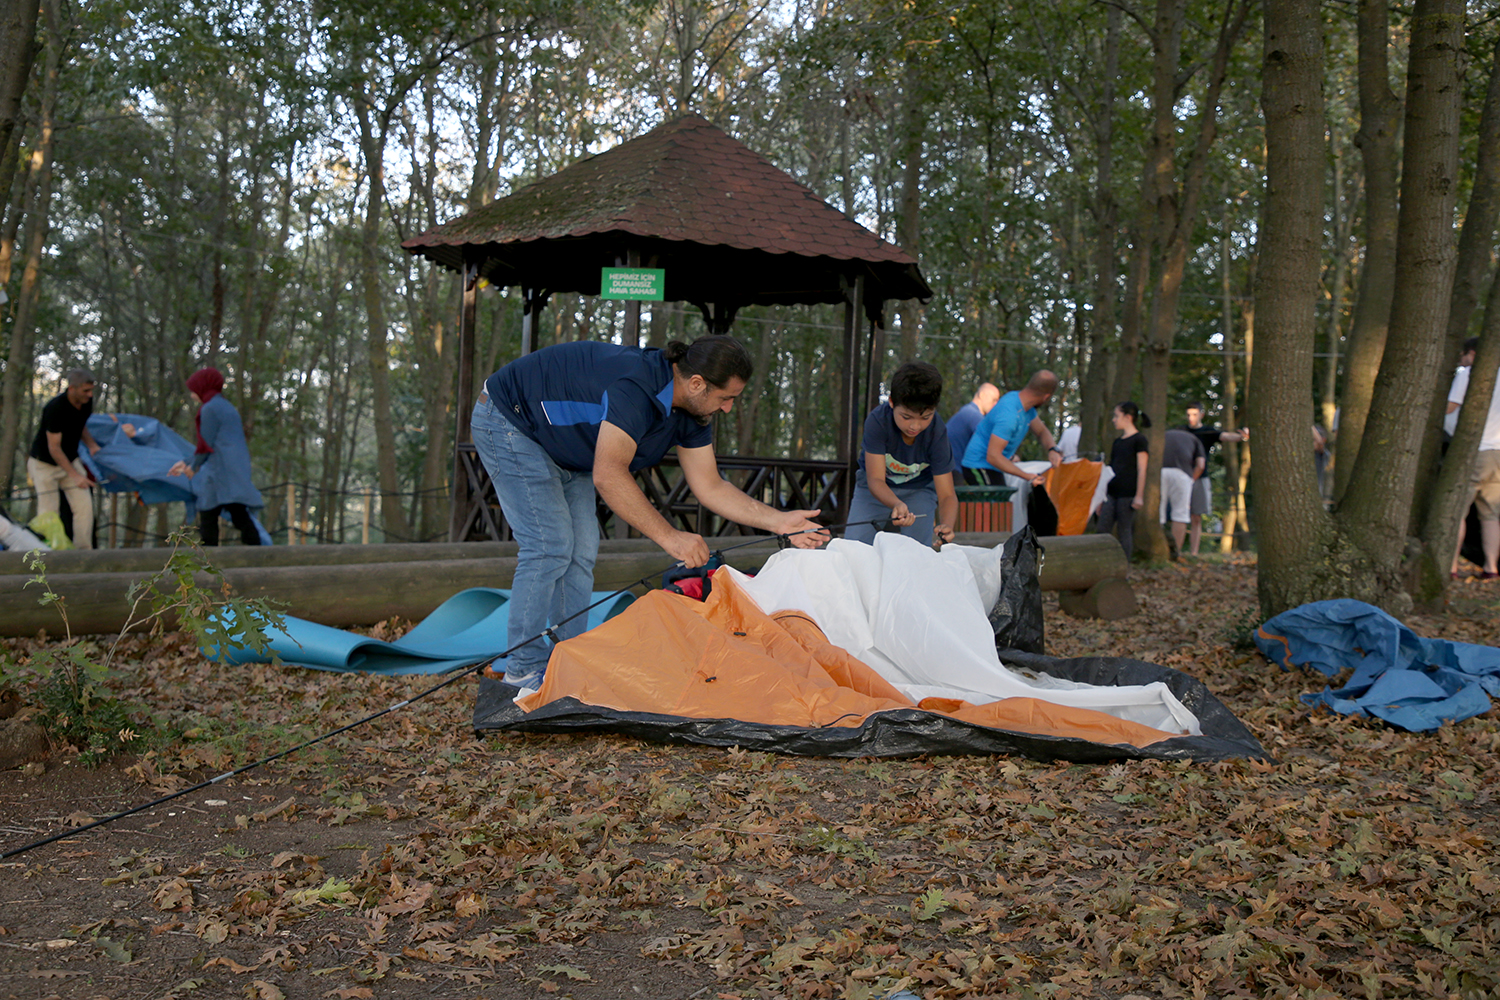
x,y
1241,630
79,709
929,904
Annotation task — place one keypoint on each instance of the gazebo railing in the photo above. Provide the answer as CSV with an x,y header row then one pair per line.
x,y
785,483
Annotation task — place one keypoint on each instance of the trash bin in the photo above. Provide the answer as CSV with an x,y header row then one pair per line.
x,y
984,508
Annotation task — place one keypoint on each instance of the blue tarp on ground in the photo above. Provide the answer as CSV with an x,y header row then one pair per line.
x,y
467,628
1411,682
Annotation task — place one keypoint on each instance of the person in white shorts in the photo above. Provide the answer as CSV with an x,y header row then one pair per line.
x,y
1486,482
1182,463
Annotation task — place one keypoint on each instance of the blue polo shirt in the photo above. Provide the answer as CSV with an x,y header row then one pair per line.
x,y
961,429
910,466
559,396
1008,420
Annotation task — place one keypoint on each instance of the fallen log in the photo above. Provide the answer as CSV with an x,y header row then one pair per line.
x,y
338,595
344,594
1110,599
1088,572
149,560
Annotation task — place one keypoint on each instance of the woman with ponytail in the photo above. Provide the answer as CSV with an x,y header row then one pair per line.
x,y
1126,492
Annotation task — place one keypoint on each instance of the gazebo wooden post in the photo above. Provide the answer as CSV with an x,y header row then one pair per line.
x,y
849,394
851,417
875,364
532,301
632,333
467,311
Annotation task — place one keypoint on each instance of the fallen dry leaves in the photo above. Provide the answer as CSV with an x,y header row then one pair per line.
x,y
406,857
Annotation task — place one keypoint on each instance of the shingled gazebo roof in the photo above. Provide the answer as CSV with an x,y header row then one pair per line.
x,y
725,224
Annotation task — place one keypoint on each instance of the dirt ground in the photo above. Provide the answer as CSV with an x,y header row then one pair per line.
x,y
407,858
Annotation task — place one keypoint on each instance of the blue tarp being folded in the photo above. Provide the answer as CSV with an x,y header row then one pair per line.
x,y
139,463
467,628
1411,682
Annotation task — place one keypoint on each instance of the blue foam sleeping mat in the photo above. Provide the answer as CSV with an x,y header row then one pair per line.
x,y
467,628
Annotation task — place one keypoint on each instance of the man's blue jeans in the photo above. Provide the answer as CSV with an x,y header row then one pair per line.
x,y
551,512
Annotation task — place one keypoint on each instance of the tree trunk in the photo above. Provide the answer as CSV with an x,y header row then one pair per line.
x,y
17,49
1295,534
1231,390
1475,248
1380,115
437,353
1377,504
1176,213
908,222
1102,325
372,146
19,356
1453,492
1132,311
1343,234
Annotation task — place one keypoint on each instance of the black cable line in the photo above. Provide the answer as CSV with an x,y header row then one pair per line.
x,y
781,539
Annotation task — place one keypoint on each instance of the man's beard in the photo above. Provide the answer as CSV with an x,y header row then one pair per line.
x,y
703,419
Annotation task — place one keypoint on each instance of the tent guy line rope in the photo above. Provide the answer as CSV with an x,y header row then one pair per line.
x,y
782,540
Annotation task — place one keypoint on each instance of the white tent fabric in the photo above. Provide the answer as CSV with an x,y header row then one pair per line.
x,y
920,619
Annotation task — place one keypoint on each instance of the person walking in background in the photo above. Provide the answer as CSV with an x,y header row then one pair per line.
x,y
907,471
1183,463
1459,388
1211,437
221,462
962,424
1485,480
1126,492
992,450
52,463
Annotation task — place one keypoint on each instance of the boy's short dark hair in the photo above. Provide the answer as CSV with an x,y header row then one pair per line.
x,y
1472,344
916,386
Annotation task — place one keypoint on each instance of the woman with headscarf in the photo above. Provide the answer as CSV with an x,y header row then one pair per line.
x,y
221,462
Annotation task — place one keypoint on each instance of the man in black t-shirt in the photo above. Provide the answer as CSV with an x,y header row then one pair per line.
x,y
1211,437
53,461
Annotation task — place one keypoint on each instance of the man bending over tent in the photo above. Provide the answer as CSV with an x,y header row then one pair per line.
x,y
553,426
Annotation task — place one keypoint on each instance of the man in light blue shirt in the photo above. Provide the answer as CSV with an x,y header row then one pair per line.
x,y
998,437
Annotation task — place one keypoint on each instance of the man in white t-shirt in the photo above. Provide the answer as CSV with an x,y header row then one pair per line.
x,y
1460,386
1486,481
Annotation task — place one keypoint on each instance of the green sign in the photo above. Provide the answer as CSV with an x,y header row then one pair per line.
x,y
643,283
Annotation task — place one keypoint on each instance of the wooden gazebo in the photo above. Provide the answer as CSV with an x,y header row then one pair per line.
x,y
727,227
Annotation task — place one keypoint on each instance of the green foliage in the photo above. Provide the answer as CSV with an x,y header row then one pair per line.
x,y
78,708
1240,632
